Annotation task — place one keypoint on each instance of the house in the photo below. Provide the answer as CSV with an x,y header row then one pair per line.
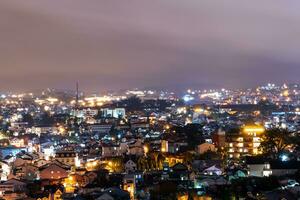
x,y
21,161
204,147
257,166
283,168
17,142
66,157
111,150
130,166
5,170
114,194
41,162
27,172
12,185
179,172
213,170
200,165
53,171
136,148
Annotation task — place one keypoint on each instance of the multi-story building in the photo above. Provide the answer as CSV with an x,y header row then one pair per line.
x,y
245,142
67,157
113,112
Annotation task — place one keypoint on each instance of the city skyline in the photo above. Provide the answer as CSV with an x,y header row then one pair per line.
x,y
170,44
149,100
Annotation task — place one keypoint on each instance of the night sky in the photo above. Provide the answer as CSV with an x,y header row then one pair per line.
x,y
174,44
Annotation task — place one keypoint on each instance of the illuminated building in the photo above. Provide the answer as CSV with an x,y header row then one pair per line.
x,y
53,172
115,113
5,170
66,157
16,142
91,166
205,147
218,139
164,146
129,183
244,143
69,184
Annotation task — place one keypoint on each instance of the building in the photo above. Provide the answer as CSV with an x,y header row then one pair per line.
x,y
100,128
243,143
53,172
111,150
67,157
172,145
257,166
260,168
130,166
204,147
113,112
114,194
12,185
17,142
218,139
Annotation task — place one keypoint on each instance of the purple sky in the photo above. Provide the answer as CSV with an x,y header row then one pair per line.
x,y
175,44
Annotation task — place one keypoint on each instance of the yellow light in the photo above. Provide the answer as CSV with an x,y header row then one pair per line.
x,y
253,129
146,149
285,93
198,110
88,164
61,129
99,104
46,108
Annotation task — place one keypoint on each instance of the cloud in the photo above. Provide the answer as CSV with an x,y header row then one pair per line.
x,y
167,44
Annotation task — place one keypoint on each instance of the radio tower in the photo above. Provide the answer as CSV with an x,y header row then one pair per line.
x,y
77,95
76,124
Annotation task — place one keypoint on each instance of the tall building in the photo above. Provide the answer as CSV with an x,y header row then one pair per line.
x,y
245,142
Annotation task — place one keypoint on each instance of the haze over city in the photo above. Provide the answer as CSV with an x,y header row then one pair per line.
x,y
168,44
149,100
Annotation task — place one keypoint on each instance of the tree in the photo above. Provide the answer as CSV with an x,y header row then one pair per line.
x,y
33,188
29,119
46,119
194,135
132,103
275,141
102,177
